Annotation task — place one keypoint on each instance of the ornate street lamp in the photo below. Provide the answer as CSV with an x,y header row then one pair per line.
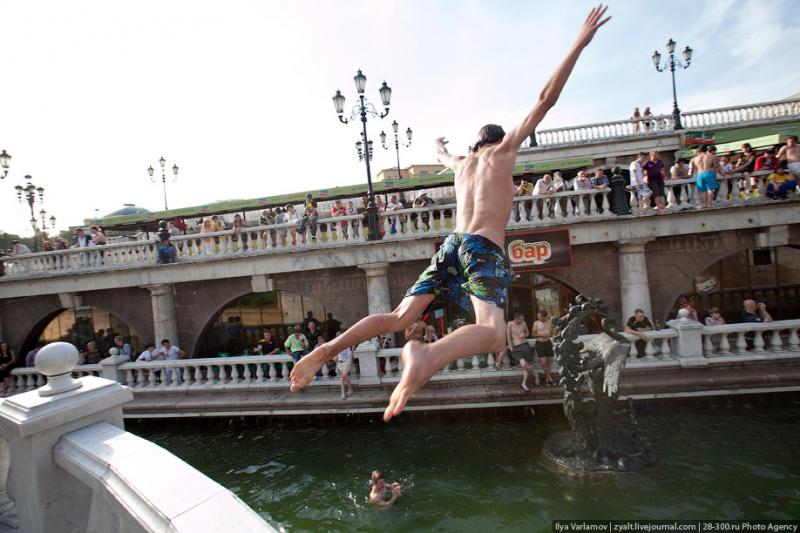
x,y
34,196
670,64
5,161
397,143
364,147
163,163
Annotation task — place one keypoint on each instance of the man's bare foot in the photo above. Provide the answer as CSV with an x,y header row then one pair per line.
x,y
418,367
307,367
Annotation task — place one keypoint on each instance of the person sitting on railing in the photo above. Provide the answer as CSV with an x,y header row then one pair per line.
x,y
167,253
17,248
172,353
238,225
395,205
268,218
525,188
636,119
779,183
704,166
81,239
266,345
654,177
98,236
174,231
544,187
60,244
91,355
600,182
643,192
207,226
351,210
685,303
745,165
344,364
714,318
647,119
678,171
637,325
790,154
309,219
150,354
756,313
297,344
581,183
420,202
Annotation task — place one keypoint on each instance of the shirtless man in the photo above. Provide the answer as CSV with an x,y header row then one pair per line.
x,y
544,346
791,154
378,493
705,167
517,333
470,267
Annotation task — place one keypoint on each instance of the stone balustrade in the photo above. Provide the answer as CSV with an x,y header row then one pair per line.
x,y
586,133
658,124
432,222
779,336
384,366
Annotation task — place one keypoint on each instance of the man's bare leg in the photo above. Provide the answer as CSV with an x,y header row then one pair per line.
x,y
368,327
421,361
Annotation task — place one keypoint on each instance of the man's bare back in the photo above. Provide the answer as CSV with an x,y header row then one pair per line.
x,y
485,192
704,162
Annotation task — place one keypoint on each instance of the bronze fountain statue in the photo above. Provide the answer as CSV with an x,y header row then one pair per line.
x,y
599,440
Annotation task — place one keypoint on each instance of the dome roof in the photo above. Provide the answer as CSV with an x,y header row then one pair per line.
x,y
129,209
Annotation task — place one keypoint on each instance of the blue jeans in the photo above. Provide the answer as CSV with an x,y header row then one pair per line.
x,y
299,355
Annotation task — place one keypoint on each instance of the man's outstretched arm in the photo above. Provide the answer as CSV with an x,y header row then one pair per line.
x,y
552,90
445,157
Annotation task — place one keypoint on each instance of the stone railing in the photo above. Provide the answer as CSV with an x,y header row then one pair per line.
x,y
742,113
752,338
587,133
434,221
75,468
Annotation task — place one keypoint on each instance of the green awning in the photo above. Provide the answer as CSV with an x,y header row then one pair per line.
x,y
231,206
557,164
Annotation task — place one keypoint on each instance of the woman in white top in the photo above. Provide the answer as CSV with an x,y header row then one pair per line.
x,y
293,218
344,363
207,242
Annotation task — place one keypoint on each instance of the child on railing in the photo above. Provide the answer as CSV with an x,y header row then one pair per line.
x,y
344,363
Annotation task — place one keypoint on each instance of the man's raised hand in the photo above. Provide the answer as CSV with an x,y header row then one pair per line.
x,y
440,144
593,21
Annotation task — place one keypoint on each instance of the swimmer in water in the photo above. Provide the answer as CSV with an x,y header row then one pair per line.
x,y
377,495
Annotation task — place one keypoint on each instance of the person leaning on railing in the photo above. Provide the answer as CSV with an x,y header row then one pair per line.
x,y
755,313
745,165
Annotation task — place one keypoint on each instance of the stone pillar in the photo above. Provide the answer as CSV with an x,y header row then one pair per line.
x,y
633,285
378,299
47,498
165,322
688,347
367,355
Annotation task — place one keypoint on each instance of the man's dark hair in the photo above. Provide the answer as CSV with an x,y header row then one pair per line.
x,y
712,149
791,137
746,145
164,341
638,311
770,151
310,314
519,314
703,149
309,195
149,345
330,315
489,134
641,154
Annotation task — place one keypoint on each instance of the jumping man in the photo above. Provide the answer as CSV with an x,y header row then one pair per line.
x,y
471,267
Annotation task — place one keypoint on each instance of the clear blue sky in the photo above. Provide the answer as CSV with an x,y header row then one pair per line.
x,y
238,93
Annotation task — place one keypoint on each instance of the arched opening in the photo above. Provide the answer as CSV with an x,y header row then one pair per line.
x,y
79,326
770,275
236,328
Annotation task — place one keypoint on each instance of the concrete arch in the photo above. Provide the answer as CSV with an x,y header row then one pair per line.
x,y
22,315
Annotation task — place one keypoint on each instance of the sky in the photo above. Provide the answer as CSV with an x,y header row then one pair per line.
x,y
238,93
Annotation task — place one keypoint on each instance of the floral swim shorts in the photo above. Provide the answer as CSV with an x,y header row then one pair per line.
x,y
466,264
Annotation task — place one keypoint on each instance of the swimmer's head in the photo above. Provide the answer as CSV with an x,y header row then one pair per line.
x,y
377,477
489,134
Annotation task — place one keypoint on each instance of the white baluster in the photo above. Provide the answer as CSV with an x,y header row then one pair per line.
x,y
177,377
247,373
460,364
724,345
222,377
476,363
758,342
741,343
606,205
490,361
671,200
708,346
794,339
260,372
151,372
649,349
775,341
634,201
285,370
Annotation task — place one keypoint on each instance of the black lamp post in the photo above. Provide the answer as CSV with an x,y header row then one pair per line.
x,y
34,195
5,161
362,109
397,143
163,163
670,63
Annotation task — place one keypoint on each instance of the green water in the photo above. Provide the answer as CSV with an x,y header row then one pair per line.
x,y
485,473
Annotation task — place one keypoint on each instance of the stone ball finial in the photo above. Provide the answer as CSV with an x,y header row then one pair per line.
x,y
683,313
56,361
113,351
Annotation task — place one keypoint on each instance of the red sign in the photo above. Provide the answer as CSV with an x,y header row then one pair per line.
x,y
539,250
